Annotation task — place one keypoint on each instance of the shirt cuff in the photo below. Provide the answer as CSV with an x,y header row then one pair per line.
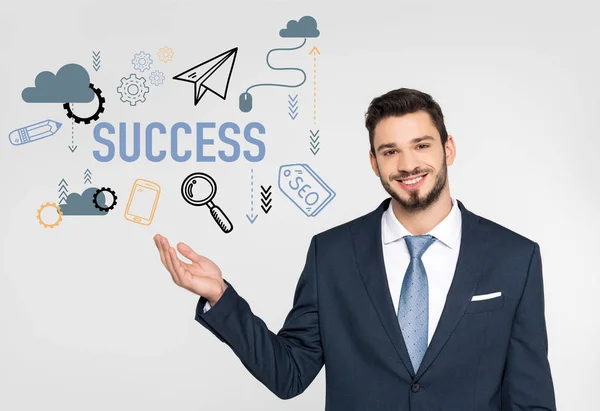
x,y
206,307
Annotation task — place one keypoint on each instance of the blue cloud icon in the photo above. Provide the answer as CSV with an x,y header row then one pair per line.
x,y
70,84
305,27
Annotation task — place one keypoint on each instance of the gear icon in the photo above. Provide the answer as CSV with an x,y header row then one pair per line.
x,y
95,116
165,54
142,61
95,199
157,78
133,89
49,205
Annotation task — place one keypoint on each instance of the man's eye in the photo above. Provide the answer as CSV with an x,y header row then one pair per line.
x,y
423,145
388,152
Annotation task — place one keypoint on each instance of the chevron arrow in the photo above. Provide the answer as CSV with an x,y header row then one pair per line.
x,y
314,142
265,199
293,106
87,176
96,60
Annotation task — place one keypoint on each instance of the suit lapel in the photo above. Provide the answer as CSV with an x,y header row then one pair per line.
x,y
470,265
366,237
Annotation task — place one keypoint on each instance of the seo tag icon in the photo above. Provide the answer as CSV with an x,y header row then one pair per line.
x,y
304,188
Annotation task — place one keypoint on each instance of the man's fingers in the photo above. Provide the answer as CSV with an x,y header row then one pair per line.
x,y
178,270
187,251
171,261
160,250
170,266
164,252
177,265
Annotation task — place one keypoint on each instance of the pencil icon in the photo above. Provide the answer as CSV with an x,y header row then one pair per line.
x,y
33,132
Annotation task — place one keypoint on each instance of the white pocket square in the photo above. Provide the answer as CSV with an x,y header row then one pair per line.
x,y
486,296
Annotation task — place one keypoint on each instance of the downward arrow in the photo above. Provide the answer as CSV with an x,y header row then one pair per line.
x,y
72,148
251,217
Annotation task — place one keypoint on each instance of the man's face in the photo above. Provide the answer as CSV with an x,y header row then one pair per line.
x,y
410,159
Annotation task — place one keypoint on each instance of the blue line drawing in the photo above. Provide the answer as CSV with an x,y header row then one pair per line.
x,y
251,217
63,191
34,132
305,27
142,61
72,147
246,96
293,106
157,78
96,60
314,142
304,188
133,89
87,176
282,68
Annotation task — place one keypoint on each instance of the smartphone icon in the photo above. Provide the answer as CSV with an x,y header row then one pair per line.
x,y
142,202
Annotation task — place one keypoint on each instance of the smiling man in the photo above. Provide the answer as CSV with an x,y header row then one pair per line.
x,y
419,305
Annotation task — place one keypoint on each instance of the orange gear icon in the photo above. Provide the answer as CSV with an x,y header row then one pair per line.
x,y
49,225
165,54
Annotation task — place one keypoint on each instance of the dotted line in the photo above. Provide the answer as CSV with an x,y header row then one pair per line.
x,y
251,191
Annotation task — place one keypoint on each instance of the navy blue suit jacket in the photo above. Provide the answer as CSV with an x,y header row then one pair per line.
x,y
487,355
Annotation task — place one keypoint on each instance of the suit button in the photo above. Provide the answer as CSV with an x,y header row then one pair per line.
x,y
415,387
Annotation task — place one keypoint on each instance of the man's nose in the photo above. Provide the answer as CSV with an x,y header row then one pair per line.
x,y
407,161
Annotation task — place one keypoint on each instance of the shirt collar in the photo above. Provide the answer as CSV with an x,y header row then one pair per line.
x,y
446,231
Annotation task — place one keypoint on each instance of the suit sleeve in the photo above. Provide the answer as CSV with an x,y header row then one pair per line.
x,y
286,362
527,381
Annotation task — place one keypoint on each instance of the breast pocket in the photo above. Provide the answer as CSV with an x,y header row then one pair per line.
x,y
490,304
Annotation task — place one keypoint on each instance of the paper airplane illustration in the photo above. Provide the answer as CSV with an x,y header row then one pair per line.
x,y
212,74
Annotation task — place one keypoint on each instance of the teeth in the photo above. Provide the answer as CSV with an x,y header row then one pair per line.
x,y
413,181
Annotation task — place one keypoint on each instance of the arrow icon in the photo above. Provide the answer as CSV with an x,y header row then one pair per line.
x,y
213,74
251,217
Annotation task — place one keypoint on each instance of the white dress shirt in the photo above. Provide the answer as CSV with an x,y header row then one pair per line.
x,y
439,259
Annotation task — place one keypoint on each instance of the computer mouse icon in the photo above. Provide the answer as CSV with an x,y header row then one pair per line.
x,y
245,102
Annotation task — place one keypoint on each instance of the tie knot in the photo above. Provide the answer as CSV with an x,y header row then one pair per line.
x,y
418,244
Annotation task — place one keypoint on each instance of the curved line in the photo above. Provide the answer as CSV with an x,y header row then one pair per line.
x,y
282,68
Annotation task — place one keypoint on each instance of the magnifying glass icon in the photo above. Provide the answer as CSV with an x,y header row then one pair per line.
x,y
199,189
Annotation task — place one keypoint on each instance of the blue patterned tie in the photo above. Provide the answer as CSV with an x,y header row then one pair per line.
x,y
413,309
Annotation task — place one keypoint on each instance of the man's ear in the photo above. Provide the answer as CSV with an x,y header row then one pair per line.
x,y
373,161
450,150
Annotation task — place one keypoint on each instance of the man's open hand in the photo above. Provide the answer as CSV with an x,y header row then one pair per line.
x,y
201,276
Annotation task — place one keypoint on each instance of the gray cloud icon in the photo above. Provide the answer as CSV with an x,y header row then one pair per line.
x,y
84,204
305,27
70,84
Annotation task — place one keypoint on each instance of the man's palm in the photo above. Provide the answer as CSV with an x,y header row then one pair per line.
x,y
202,276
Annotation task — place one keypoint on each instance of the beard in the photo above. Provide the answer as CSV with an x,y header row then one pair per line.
x,y
416,202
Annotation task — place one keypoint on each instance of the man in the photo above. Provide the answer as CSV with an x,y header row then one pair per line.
x,y
419,305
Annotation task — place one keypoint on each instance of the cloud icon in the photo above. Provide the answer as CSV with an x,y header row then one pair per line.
x,y
305,27
70,84
84,204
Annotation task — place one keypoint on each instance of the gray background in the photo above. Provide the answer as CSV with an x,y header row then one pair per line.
x,y
91,320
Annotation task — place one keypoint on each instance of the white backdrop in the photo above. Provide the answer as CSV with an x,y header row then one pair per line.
x,y
91,320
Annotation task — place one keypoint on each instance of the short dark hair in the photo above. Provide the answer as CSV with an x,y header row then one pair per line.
x,y
403,101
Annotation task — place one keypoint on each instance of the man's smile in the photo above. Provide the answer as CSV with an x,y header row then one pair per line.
x,y
412,183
